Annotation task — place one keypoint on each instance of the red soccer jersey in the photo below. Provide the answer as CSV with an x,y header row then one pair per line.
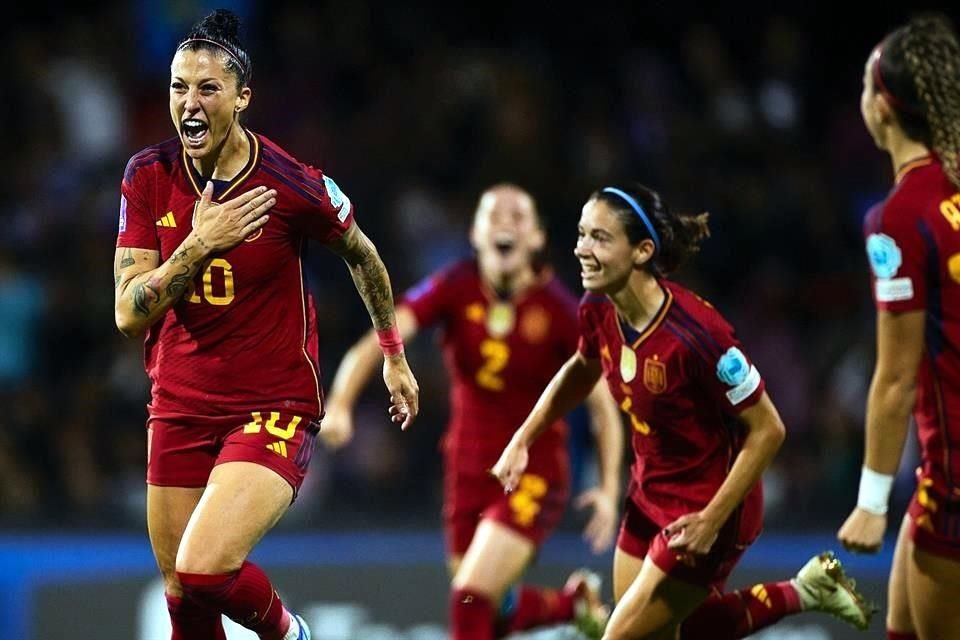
x,y
500,357
913,246
682,383
246,338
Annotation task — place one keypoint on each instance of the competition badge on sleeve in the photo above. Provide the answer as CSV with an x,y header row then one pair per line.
x,y
338,200
742,377
885,260
884,255
123,214
628,363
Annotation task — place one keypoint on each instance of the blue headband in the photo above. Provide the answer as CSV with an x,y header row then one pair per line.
x,y
640,212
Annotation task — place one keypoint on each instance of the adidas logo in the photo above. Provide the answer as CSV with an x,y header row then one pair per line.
x,y
279,448
167,220
760,593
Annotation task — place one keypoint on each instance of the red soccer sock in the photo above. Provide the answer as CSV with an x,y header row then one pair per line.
x,y
738,614
471,616
245,596
537,607
900,635
193,621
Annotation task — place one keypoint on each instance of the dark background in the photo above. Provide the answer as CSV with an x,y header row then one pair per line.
x,y
750,113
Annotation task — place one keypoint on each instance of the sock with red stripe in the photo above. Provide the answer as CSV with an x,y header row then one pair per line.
x,y
471,616
192,621
245,596
537,606
740,613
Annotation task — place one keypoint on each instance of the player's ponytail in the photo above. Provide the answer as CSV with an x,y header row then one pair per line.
x,y
919,72
645,215
220,32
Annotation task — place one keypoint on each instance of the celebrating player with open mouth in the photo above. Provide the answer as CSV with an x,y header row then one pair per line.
x,y
213,224
507,325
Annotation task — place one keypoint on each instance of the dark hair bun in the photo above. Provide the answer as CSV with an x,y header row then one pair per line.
x,y
221,25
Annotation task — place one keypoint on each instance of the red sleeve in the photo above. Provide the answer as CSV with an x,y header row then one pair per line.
x,y
587,340
731,377
330,212
430,299
138,229
897,253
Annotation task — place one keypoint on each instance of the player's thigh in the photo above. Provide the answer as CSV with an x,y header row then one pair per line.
x,y
242,501
653,606
496,558
898,603
168,511
626,568
933,585
453,563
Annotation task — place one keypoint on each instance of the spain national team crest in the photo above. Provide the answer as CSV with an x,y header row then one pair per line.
x,y
535,324
654,375
628,363
500,319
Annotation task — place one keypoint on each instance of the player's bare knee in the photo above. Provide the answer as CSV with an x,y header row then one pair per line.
x,y
205,561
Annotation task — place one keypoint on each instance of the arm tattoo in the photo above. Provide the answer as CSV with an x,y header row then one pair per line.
x,y
373,284
145,295
179,282
127,259
178,256
116,281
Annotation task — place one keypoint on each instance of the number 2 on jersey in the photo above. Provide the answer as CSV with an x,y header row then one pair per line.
x,y
225,270
496,354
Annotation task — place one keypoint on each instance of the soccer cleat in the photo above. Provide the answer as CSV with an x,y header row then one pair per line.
x,y
823,586
304,629
590,614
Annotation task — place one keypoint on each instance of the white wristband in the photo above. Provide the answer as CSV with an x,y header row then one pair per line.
x,y
874,491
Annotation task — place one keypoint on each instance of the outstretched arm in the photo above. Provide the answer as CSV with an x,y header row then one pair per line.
x,y
607,428
373,284
568,388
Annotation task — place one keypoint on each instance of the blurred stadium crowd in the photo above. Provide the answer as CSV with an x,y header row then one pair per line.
x,y
413,110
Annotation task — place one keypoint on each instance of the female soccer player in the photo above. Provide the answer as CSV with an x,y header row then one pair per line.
x,y
703,427
506,327
208,264
911,107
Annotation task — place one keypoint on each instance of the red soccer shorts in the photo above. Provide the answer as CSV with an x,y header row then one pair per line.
x,y
935,520
641,537
533,509
183,452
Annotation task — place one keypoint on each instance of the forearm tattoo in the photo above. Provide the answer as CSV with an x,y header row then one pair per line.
x,y
373,283
127,259
179,282
145,295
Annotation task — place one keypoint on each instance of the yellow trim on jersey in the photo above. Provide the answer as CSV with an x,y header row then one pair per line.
x,y
910,166
250,167
654,324
303,347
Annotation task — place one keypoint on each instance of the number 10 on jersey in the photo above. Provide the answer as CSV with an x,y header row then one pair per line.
x,y
223,271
